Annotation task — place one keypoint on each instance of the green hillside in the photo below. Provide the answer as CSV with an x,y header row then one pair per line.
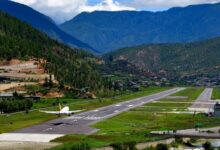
x,y
71,66
184,59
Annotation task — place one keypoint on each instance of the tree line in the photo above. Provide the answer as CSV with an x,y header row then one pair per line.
x,y
70,66
15,105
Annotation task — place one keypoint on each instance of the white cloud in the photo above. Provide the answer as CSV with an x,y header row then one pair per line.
x,y
164,4
62,10
109,5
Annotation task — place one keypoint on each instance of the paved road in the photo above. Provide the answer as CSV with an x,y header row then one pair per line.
x,y
203,103
79,123
201,133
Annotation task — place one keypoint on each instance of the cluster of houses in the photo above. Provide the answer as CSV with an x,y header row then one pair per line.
x,y
9,96
202,81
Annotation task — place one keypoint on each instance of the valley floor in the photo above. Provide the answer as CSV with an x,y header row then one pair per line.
x,y
136,124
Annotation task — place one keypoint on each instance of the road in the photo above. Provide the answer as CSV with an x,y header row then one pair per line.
x,y
200,133
203,104
80,123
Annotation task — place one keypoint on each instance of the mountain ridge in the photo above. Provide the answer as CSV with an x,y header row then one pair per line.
x,y
41,22
107,31
200,57
73,67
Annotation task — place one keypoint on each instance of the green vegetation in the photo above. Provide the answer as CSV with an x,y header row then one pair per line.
x,y
15,105
136,124
70,66
71,146
191,95
12,122
20,120
175,59
216,94
106,140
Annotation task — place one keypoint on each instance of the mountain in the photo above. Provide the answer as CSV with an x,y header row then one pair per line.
x,y
106,31
40,22
73,67
182,59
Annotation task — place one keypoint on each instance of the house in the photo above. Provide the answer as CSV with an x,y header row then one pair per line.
x,y
217,110
8,96
33,98
4,96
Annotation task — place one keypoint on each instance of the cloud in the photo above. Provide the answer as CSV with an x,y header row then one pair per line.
x,y
164,4
63,10
109,5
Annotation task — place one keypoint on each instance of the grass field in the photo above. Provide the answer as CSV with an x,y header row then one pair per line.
x,y
16,121
136,124
216,94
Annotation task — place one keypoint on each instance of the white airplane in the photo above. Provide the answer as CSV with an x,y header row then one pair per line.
x,y
63,111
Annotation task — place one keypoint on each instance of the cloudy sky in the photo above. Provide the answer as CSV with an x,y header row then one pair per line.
x,y
62,10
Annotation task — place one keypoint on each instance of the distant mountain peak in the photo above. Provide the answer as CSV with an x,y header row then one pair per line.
x,y
107,31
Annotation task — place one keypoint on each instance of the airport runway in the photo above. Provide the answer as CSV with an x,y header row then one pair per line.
x,y
203,102
80,123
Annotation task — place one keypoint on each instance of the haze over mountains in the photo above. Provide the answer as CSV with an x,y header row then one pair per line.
x,y
106,31
41,22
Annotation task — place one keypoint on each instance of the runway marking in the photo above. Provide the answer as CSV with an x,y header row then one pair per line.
x,y
47,129
116,111
96,110
92,118
105,112
76,117
118,105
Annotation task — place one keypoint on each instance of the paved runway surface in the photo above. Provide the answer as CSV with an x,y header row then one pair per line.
x,y
203,102
79,123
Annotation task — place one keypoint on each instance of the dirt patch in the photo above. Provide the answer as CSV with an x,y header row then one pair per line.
x,y
29,70
51,95
4,87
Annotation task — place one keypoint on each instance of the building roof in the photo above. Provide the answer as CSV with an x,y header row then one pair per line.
x,y
6,95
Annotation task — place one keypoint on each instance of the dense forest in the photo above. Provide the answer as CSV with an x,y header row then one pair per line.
x,y
15,105
70,66
182,59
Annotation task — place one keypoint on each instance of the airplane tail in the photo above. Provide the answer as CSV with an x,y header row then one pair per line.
x,y
60,107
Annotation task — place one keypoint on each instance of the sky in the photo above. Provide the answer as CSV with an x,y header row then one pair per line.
x,y
63,10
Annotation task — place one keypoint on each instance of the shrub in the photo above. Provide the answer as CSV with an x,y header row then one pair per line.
x,y
131,145
207,146
178,140
117,146
73,146
161,147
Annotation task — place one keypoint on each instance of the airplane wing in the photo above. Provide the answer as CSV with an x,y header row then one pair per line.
x,y
75,111
51,112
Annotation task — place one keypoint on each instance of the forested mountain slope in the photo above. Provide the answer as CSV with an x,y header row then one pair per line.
x,y
40,22
184,59
71,66
106,31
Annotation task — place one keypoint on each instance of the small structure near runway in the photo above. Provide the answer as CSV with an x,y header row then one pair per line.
x,y
217,110
4,96
212,133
